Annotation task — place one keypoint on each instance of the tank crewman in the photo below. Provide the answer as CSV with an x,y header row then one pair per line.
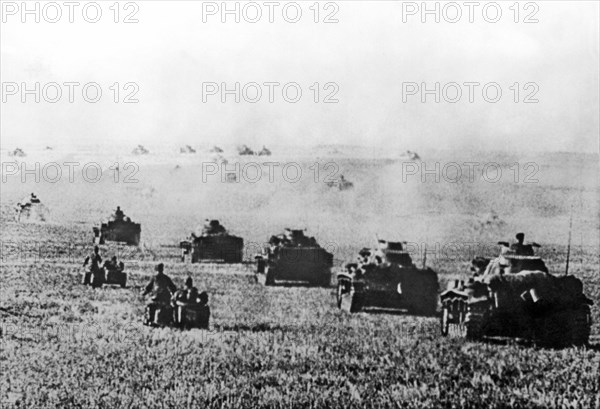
x,y
520,248
94,261
119,215
34,198
161,286
111,264
191,292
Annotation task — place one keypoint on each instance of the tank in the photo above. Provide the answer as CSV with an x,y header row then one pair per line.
x,y
212,243
515,296
292,256
341,183
264,152
140,150
187,149
31,210
387,278
245,150
18,152
118,228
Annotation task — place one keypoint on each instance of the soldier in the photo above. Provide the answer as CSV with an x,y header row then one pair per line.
x,y
111,264
521,249
161,286
190,293
119,214
95,261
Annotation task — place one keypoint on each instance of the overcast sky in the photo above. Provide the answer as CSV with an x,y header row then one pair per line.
x,y
369,53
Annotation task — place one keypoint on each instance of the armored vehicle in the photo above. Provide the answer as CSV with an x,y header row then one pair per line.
x,y
18,152
410,155
245,150
515,296
387,278
213,243
118,228
341,183
140,150
30,209
292,256
264,152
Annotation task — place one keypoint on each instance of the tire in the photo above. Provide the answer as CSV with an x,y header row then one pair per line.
x,y
445,321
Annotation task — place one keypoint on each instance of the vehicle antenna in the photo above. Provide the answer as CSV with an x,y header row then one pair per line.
x,y
569,244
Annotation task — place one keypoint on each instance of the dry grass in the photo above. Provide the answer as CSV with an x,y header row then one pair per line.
x,y
65,345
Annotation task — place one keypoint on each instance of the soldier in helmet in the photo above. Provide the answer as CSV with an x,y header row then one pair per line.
x,y
112,264
161,286
190,293
119,215
520,248
94,261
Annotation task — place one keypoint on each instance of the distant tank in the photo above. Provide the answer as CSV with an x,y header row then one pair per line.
x,y
31,209
216,149
410,155
515,296
18,152
292,256
140,150
118,228
264,152
341,183
386,278
245,150
187,149
212,243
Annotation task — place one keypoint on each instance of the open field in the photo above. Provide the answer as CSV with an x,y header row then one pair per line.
x,y
65,345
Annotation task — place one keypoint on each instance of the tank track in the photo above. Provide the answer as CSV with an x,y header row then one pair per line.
x,y
475,321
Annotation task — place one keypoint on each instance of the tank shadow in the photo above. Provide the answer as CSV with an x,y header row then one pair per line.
x,y
259,327
531,344
382,311
392,311
304,284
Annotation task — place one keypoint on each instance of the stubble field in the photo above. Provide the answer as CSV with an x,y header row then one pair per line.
x,y
65,345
